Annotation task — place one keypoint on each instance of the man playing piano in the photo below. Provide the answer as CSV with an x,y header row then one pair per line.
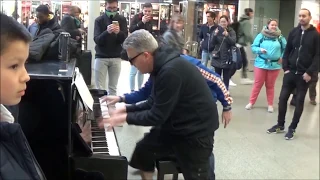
x,y
181,108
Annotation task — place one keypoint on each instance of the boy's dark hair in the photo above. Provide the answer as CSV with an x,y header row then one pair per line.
x,y
43,9
11,30
147,5
247,11
111,1
212,14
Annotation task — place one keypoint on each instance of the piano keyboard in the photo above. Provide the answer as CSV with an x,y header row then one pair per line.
x,y
103,140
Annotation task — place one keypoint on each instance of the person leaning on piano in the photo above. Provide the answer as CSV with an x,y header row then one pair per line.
x,y
184,117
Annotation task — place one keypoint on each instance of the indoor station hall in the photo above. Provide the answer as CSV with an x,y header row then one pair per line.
x,y
244,150
97,90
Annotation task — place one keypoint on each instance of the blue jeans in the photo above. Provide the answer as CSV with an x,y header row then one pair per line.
x,y
212,175
205,58
133,72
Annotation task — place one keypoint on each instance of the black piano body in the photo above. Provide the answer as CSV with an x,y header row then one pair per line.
x,y
47,115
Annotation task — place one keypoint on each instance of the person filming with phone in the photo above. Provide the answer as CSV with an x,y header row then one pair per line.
x,y
140,21
110,31
223,41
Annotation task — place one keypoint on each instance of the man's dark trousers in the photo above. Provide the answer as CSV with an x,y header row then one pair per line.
x,y
292,81
312,89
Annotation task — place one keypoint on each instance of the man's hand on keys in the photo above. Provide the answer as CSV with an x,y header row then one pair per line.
x,y
110,100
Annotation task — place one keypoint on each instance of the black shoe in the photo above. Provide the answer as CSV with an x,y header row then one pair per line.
x,y
276,129
290,134
293,102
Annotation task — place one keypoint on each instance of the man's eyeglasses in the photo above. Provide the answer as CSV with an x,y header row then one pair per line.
x,y
132,59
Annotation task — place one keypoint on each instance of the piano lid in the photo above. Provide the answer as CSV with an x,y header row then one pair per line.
x,y
51,69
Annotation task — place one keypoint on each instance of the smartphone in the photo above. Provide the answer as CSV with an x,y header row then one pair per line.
x,y
115,23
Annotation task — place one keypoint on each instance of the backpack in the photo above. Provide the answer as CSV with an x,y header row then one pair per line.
x,y
236,57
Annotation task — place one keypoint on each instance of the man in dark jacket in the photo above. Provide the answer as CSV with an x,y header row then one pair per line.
x,y
140,21
184,117
110,30
300,61
205,36
46,20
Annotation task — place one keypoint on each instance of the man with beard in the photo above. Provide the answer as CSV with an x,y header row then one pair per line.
x,y
300,62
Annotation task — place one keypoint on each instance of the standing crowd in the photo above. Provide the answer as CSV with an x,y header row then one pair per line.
x,y
179,100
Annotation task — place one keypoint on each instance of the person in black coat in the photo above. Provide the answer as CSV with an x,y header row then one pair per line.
x,y
300,62
183,117
223,41
140,21
46,19
110,30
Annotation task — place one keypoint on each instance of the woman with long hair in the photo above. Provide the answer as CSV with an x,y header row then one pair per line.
x,y
173,36
222,56
269,46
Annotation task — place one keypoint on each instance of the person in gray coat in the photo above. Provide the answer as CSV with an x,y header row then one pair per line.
x,y
222,56
173,36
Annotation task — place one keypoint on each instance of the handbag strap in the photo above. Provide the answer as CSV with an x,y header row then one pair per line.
x,y
221,43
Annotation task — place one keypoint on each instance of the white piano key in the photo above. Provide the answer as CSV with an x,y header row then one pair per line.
x,y
111,139
112,143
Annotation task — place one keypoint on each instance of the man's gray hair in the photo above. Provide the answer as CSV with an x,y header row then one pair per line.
x,y
141,41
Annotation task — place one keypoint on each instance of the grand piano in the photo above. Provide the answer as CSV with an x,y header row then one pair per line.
x,y
62,131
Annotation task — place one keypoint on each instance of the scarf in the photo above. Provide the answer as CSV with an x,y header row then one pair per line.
x,y
270,34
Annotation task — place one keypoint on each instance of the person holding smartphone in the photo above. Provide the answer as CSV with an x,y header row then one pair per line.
x,y
223,41
110,31
140,21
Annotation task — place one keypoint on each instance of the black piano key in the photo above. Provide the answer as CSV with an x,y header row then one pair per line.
x,y
99,144
100,150
96,129
103,153
101,138
98,133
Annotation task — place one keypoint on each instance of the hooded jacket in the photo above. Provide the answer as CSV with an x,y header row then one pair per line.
x,y
52,24
244,31
275,48
302,51
181,103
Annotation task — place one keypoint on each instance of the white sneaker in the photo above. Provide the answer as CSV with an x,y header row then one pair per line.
x,y
270,109
246,81
231,83
248,106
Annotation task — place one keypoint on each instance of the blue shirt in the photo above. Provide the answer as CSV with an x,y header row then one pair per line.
x,y
216,85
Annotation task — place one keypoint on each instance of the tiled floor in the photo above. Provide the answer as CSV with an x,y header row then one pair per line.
x,y
244,150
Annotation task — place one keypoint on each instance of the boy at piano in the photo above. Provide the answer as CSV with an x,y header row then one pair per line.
x,y
14,51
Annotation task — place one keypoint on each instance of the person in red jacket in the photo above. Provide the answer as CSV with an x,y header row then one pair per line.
x,y
318,27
